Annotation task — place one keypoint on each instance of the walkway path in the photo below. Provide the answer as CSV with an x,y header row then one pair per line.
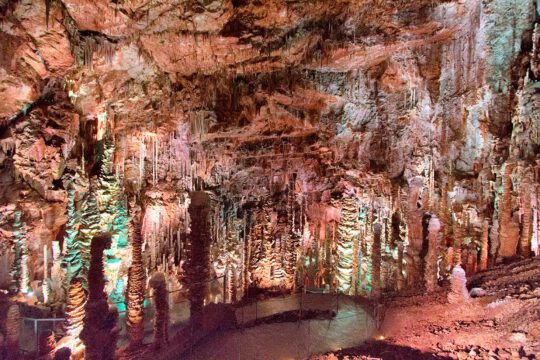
x,y
350,327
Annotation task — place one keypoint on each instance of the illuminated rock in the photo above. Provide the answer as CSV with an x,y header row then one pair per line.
x,y
136,286
458,293
347,230
430,275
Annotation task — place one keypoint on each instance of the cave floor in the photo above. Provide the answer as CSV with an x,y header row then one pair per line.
x,y
505,324
290,340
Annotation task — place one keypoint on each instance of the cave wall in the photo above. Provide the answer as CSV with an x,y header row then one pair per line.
x,y
329,135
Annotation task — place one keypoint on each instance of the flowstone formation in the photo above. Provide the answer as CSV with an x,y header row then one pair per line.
x,y
359,147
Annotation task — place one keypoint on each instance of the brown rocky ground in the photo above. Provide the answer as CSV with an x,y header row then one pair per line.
x,y
504,324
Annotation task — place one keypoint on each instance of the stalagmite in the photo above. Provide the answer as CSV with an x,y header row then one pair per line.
x,y
291,241
12,335
75,303
399,267
508,242
99,332
70,239
458,239
136,286
430,275
158,283
77,257
376,262
197,267
266,161
484,250
458,286
19,269
347,230
415,230
526,226
47,345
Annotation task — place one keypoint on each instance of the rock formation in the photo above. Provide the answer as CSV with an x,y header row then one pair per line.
x,y
136,284
161,303
360,147
100,331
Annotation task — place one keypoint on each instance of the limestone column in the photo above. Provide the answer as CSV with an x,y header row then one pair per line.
x,y
200,210
161,303
136,285
525,238
99,332
430,275
484,250
376,262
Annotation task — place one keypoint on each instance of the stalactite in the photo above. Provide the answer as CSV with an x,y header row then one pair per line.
x,y
347,230
48,4
99,332
158,283
430,277
136,286
535,52
12,334
376,260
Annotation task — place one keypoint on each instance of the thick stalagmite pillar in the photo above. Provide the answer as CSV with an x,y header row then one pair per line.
x,y
47,345
100,332
525,238
136,286
399,266
19,268
430,275
200,212
347,231
484,250
291,241
458,293
458,239
75,302
12,326
415,228
376,260
161,302
507,227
